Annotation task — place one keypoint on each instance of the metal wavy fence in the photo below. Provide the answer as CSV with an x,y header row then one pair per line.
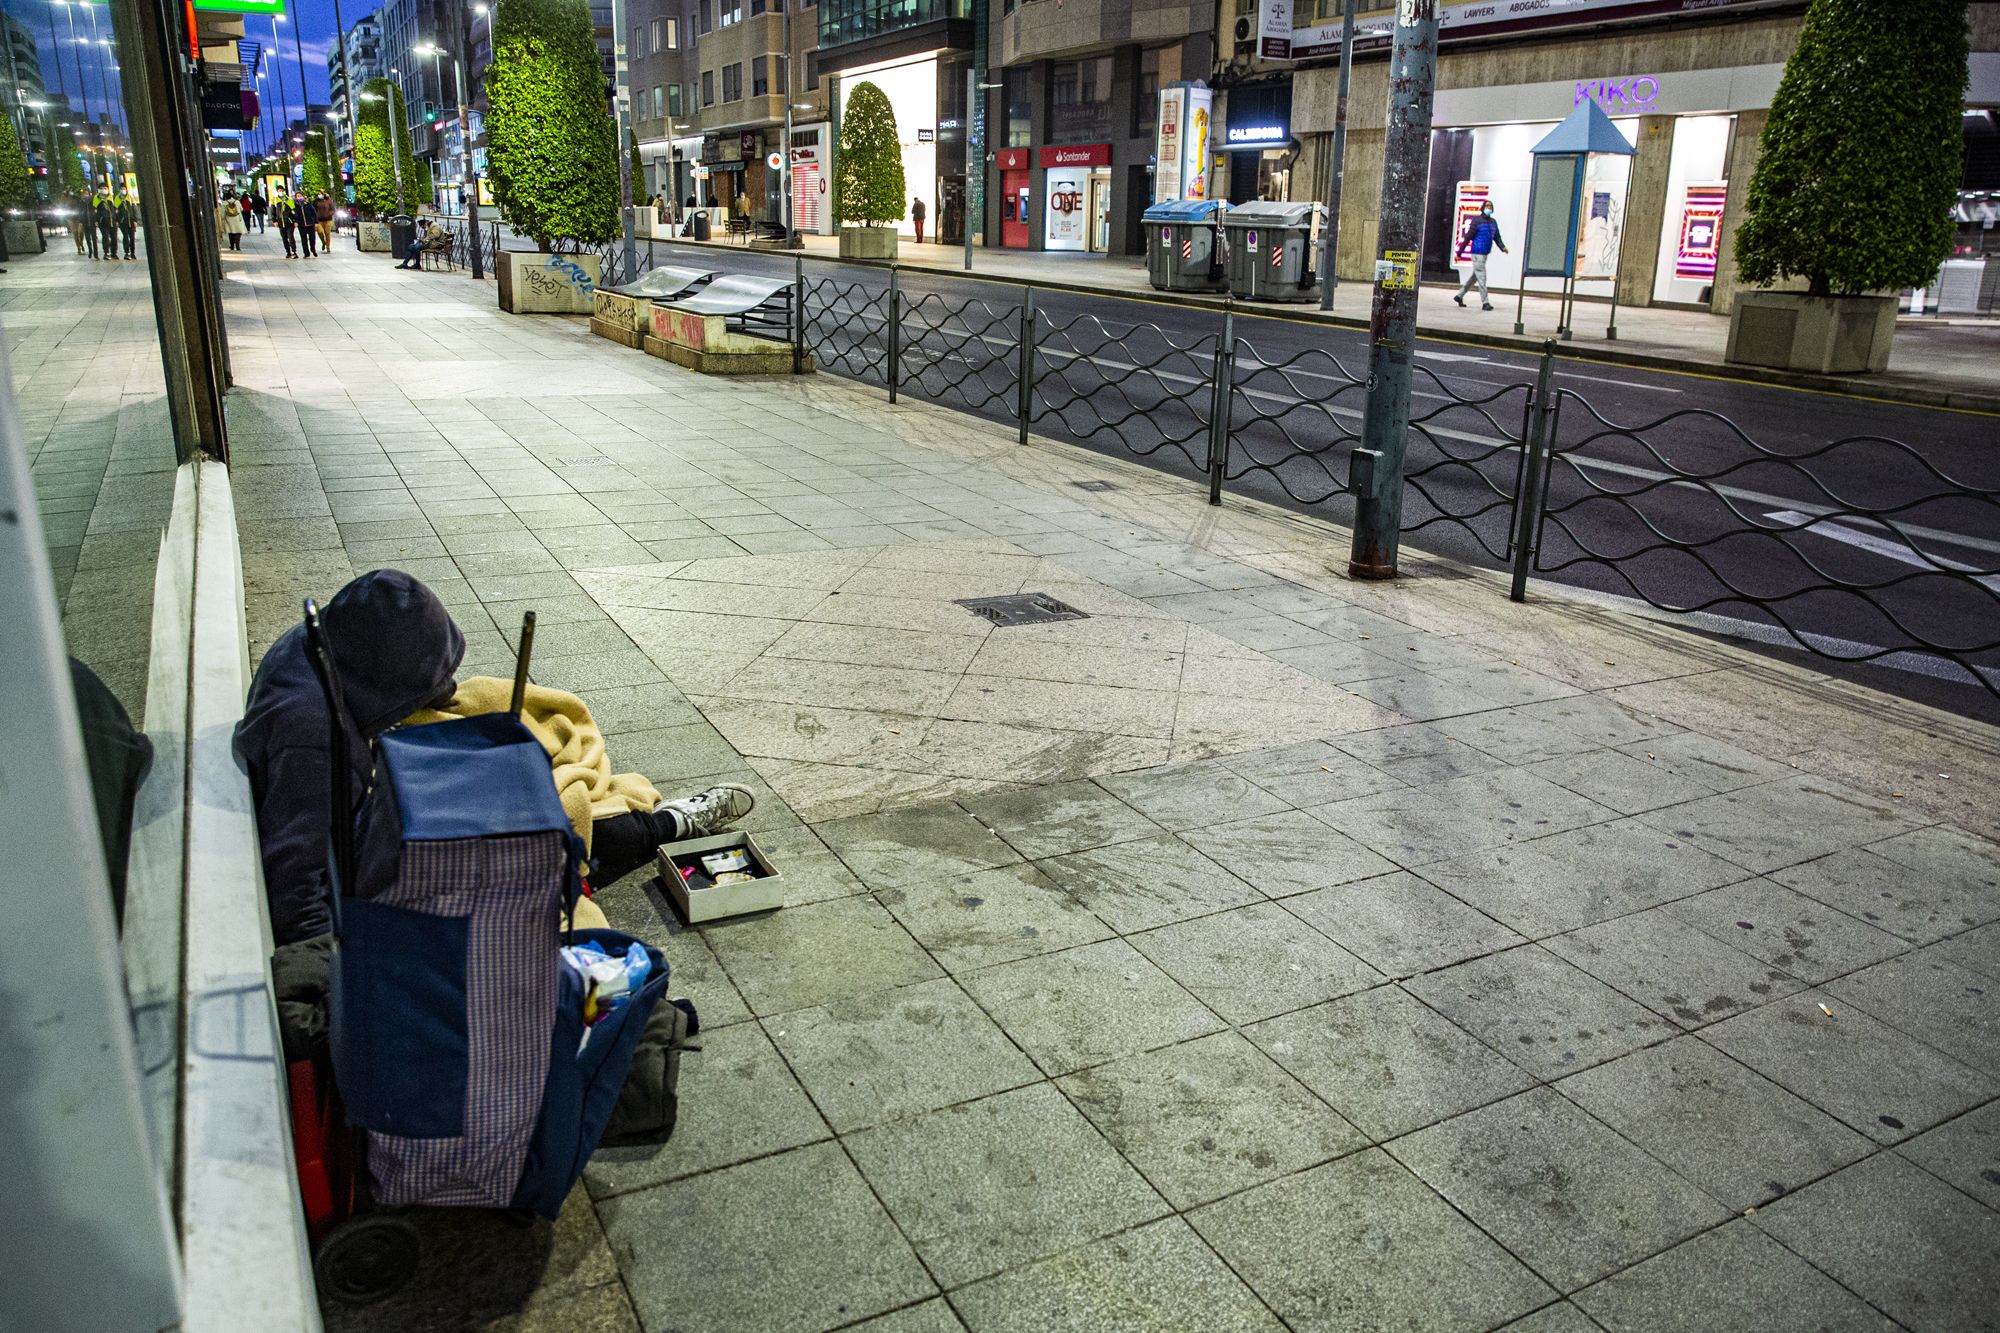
x,y
1539,480
1689,514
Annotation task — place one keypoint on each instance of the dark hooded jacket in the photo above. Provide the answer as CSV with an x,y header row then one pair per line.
x,y
395,649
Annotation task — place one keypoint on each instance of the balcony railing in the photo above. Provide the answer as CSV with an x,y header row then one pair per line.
x,y
842,21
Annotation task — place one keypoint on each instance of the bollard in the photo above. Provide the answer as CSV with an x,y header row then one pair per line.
x,y
1222,404
1527,532
798,314
1025,370
895,332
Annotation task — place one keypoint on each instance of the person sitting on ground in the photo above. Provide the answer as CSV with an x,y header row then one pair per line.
x,y
397,651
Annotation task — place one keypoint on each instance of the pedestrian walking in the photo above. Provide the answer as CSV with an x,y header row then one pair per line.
x,y
288,228
257,209
917,217
323,214
229,221
125,211
1481,235
104,214
307,221
76,229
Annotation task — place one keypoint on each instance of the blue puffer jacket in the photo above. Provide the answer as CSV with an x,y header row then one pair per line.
x,y
1482,234
396,650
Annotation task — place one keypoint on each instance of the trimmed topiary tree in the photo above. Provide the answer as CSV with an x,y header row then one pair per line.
x,y
380,106
638,169
869,185
66,174
318,176
17,189
551,143
1862,155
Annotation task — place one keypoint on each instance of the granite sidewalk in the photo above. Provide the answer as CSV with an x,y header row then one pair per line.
x,y
1265,950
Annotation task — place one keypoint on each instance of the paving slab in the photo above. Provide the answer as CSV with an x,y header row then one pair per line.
x,y
766,1262
1085,1006
1788,930
1401,925
1901,1239
1936,1001
1569,1197
1334,1248
1286,853
1062,817
1737,1135
992,1184
1732,1277
1254,962
1964,1152
1871,1076
1544,1014
1420,825
798,957
1209,1117
1148,882
1194,796
1158,1276
894,1054
1387,1062
1678,972
1778,824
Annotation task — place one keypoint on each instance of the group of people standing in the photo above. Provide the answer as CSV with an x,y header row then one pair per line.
x,y
111,216
305,225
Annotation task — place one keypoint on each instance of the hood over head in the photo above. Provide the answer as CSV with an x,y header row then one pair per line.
x,y
395,646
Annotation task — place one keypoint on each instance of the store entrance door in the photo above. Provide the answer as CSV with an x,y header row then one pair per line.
x,y
1099,236
951,210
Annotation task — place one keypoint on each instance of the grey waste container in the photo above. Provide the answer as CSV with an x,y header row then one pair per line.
x,y
1181,250
402,230
1270,251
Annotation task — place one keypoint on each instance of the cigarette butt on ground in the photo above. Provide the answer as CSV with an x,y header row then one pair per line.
x,y
1828,1012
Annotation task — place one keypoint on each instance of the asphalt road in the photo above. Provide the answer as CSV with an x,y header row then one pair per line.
x,y
1656,490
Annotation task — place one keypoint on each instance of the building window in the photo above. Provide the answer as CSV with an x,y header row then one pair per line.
x,y
756,7
732,83
1146,109
673,35
1080,100
659,102
707,15
1020,113
673,100
760,80
638,42
728,12
708,87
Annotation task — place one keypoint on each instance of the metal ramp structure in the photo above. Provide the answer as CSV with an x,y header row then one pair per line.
x,y
664,283
756,305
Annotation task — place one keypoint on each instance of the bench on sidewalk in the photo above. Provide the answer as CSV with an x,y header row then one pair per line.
x,y
441,259
663,283
624,314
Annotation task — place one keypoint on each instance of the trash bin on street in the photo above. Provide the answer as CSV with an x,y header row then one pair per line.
x,y
1181,250
402,231
698,224
1270,251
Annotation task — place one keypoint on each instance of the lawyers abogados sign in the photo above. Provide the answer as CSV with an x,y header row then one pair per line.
x,y
1499,18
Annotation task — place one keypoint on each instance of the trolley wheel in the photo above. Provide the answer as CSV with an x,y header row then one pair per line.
x,y
366,1258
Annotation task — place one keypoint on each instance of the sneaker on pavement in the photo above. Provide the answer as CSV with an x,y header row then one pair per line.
x,y
713,810
1460,298
1486,307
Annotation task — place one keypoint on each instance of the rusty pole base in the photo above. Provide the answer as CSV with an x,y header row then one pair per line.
x,y
1358,569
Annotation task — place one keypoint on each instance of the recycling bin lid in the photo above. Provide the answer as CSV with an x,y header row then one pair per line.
x,y
1184,210
1265,213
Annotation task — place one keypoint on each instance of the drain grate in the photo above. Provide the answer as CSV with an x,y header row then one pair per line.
x,y
1024,608
585,460
1095,485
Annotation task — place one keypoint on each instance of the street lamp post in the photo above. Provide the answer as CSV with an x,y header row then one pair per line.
x,y
621,106
785,168
280,136
466,180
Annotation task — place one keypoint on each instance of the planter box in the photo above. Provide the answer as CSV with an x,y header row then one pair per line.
x,y
1822,335
761,894
374,237
867,242
533,283
622,319
707,344
24,237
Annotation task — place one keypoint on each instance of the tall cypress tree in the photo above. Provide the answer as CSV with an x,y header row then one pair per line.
x,y
16,191
868,187
380,107
551,143
1862,156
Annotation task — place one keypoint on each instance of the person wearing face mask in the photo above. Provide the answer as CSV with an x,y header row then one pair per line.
x,y
1482,234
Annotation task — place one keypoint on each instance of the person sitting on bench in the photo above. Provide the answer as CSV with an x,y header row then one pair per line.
x,y
397,650
429,237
